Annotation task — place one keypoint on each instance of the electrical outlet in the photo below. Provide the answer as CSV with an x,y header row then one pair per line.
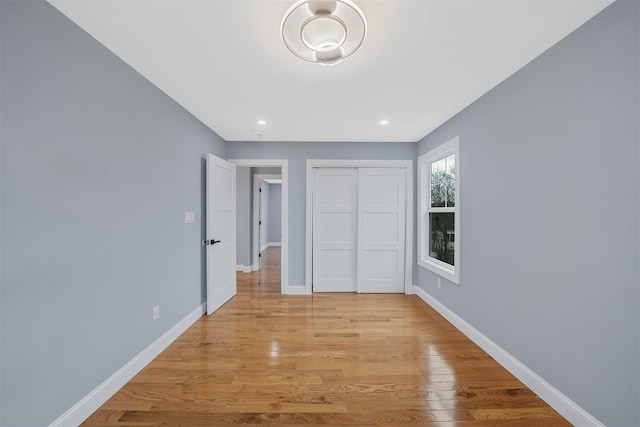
x,y
156,312
439,283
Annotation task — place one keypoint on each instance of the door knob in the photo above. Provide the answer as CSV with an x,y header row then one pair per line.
x,y
210,242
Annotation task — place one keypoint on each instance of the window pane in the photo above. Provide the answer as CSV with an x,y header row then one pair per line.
x,y
442,236
443,182
451,180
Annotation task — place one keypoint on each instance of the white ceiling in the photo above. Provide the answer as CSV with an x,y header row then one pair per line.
x,y
422,61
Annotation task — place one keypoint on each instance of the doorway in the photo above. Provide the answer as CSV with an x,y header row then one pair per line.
x,y
249,240
267,214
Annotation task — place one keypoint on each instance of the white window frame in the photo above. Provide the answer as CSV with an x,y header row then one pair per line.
x,y
451,273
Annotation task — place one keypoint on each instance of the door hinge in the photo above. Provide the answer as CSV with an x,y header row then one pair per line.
x,y
259,222
259,255
260,190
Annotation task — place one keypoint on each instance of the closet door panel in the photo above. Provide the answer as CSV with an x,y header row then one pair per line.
x,y
381,230
334,229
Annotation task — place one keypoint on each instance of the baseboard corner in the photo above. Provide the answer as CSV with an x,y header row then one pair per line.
x,y
243,268
297,290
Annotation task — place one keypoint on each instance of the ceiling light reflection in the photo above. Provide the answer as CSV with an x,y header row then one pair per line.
x,y
274,349
438,367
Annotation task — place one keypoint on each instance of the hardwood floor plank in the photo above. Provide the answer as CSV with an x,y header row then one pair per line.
x,y
327,359
512,413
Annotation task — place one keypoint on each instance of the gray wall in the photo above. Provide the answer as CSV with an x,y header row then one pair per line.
x,y
297,153
274,234
550,208
243,216
98,168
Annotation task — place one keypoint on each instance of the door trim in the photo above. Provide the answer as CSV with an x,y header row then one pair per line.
x,y
283,164
409,226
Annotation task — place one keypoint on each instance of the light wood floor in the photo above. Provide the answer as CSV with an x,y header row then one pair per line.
x,y
326,359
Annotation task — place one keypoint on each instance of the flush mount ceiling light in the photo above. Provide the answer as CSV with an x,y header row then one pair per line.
x,y
323,31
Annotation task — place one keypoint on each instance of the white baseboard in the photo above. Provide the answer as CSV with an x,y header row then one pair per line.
x,y
98,396
297,290
243,268
268,244
558,401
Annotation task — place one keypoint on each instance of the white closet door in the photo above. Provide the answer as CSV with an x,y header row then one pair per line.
x,y
381,230
334,230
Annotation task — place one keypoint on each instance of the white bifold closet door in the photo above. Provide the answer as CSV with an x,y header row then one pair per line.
x,y
359,230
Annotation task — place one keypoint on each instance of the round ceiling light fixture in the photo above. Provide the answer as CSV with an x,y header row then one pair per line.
x,y
323,31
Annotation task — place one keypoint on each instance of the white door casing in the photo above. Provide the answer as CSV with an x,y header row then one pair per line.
x,y
221,229
381,230
334,230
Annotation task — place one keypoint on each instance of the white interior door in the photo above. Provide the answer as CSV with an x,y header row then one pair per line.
x,y
334,230
381,230
221,232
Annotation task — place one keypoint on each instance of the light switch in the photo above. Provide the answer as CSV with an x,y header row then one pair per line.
x,y
189,217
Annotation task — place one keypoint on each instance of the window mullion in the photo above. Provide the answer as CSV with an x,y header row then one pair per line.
x,y
443,210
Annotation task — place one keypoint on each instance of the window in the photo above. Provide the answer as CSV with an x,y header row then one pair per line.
x,y
439,210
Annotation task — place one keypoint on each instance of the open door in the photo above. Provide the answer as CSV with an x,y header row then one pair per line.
x,y
221,232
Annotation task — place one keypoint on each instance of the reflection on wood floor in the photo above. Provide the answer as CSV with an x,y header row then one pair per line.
x,y
327,359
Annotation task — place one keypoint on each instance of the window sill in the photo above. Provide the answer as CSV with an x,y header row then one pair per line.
x,y
441,270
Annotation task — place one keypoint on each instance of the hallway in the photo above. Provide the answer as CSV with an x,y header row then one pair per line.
x,y
327,359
